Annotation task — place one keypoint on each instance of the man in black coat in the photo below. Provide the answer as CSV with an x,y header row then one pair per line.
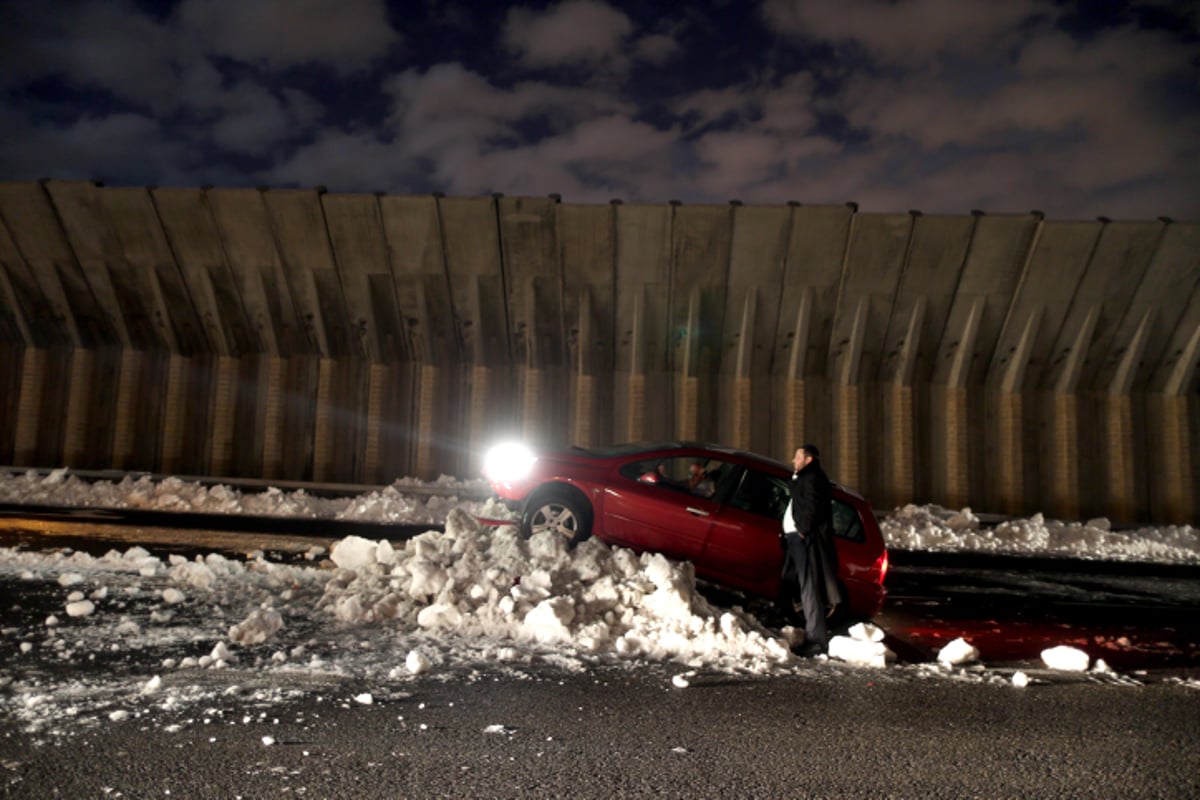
x,y
810,566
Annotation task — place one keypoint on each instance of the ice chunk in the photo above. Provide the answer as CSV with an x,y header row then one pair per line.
x,y
959,651
261,625
1065,658
861,652
416,663
80,608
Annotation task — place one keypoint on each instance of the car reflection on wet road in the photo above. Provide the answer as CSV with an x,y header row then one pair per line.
x,y
1134,616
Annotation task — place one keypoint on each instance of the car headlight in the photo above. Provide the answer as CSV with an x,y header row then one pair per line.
x,y
508,462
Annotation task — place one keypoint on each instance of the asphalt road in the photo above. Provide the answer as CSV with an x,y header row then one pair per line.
x,y
837,733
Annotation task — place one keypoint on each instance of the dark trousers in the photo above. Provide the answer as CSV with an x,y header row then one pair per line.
x,y
800,576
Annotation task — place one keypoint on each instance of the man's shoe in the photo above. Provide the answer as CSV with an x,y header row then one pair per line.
x,y
812,650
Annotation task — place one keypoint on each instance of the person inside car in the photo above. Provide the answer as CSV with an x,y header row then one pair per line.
x,y
700,482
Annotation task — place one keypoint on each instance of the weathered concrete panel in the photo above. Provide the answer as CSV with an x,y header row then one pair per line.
x,y
249,244
999,250
758,257
537,343
936,256
702,238
936,259
474,269
422,396
25,318
1108,294
195,241
587,245
116,285
875,258
55,281
645,398
360,250
12,359
301,236
1029,464
1056,265
808,301
163,292
418,268
1172,286
476,277
15,328
533,279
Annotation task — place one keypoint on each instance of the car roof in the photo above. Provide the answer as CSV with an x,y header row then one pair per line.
x,y
632,448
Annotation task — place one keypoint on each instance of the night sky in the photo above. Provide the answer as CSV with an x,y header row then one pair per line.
x,y
1078,109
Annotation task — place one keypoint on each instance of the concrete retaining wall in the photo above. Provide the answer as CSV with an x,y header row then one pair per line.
x,y
1008,363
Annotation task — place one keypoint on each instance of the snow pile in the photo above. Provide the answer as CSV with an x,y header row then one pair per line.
x,y
591,600
935,529
376,611
391,504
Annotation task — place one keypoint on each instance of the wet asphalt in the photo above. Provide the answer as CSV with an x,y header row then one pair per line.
x,y
618,732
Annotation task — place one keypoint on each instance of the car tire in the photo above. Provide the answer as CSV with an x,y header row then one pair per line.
x,y
564,513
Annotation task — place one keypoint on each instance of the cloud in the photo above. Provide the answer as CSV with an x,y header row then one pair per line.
x,y
571,33
343,35
131,148
113,47
254,119
348,162
909,31
657,48
449,103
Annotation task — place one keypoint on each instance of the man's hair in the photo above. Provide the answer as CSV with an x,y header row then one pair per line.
x,y
812,451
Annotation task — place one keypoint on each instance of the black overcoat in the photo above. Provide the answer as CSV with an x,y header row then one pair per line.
x,y
812,512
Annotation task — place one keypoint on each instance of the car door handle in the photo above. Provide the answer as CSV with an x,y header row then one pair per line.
x,y
699,512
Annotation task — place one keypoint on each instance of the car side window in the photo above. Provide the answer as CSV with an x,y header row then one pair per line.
x,y
762,494
846,524
688,474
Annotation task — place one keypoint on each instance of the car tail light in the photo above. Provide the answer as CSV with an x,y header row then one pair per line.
x,y
881,566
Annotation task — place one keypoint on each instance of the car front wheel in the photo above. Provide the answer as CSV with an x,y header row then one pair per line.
x,y
561,514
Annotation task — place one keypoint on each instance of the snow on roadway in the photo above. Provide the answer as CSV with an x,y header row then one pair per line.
x,y
130,635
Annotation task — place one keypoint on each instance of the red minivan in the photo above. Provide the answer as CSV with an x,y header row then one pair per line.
x,y
716,507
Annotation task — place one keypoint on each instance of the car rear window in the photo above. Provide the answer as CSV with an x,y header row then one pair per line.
x,y
846,524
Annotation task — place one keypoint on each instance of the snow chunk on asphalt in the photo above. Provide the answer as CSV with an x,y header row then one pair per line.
x,y
80,608
864,647
959,651
354,552
1066,659
416,663
173,596
261,625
